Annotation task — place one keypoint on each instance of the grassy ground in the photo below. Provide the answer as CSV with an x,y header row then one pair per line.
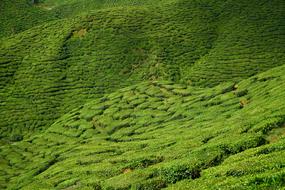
x,y
158,134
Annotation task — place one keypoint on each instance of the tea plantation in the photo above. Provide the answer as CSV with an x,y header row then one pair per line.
x,y
126,94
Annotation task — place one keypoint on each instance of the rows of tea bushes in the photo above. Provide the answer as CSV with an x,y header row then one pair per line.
x,y
160,134
52,68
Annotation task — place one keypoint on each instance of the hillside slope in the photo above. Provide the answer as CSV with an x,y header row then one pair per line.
x,y
158,134
20,15
141,94
53,68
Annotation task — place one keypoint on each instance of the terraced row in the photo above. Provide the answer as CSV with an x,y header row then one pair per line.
x,y
158,134
53,68
21,15
47,72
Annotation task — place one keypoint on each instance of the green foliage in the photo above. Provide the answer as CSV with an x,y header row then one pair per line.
x,y
52,68
129,146
16,137
142,95
178,173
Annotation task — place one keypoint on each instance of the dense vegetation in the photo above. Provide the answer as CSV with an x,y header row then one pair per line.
x,y
154,134
105,94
